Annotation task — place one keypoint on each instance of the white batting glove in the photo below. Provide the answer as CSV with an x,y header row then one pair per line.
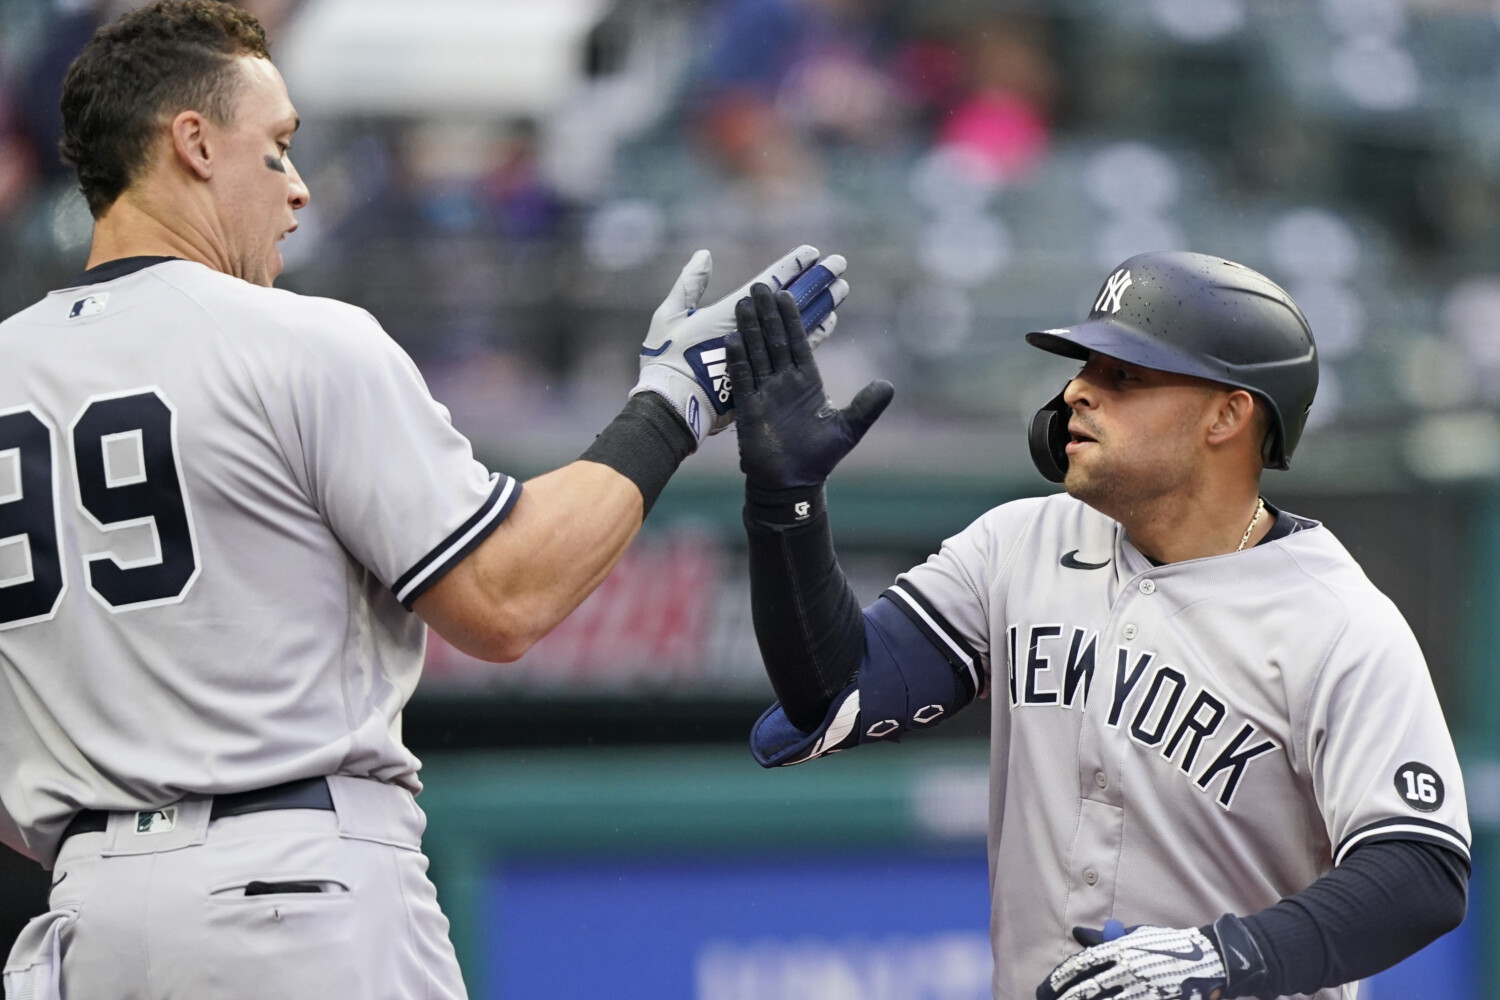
x,y
1149,963
683,359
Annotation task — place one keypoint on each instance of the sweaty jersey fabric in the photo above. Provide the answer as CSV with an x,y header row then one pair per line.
x,y
217,503
1177,742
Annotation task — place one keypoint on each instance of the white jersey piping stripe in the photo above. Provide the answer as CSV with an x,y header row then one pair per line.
x,y
1402,821
1404,831
939,630
436,562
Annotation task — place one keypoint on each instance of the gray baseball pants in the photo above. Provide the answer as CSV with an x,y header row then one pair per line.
x,y
165,915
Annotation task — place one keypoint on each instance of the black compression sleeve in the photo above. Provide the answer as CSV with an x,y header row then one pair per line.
x,y
807,619
645,444
1387,901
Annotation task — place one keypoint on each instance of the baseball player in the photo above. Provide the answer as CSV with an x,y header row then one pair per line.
x,y
219,506
1210,731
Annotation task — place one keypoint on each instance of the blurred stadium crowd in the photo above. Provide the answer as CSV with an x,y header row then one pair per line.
x,y
510,186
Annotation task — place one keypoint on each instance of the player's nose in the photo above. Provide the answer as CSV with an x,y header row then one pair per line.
x,y
1079,391
299,195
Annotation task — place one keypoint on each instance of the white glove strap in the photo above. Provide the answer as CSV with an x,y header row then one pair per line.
x,y
685,395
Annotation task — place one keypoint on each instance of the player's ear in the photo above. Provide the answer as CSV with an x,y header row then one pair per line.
x,y
1234,417
190,143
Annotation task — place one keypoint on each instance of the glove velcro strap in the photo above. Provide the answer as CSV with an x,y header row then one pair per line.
x,y
1244,965
785,508
685,395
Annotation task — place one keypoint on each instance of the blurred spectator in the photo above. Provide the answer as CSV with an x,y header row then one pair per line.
x,y
17,162
752,44
746,136
818,61
519,200
1002,122
67,29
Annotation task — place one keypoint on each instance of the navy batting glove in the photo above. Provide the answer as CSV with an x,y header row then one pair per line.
x,y
790,435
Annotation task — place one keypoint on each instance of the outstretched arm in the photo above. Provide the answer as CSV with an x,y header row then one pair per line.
x,y
570,527
843,677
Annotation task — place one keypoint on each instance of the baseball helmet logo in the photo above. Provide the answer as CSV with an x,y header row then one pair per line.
x,y
1109,295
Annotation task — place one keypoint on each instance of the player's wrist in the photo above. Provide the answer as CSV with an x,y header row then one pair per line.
x,y
1245,968
684,396
645,444
780,508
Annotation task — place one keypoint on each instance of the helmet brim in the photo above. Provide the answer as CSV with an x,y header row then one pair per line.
x,y
1117,340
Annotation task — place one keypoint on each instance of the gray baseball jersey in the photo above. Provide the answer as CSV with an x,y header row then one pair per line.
x,y
1170,743
217,503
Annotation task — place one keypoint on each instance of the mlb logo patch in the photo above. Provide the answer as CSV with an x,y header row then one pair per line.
x,y
156,821
89,305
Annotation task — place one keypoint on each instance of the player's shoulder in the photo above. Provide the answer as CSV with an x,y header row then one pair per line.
x,y
1041,524
241,308
1327,577
1051,506
1055,513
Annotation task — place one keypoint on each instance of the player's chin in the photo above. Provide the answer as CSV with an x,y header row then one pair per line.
x,y
1082,482
274,266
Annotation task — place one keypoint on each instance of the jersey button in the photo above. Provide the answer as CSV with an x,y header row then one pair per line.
x,y
1090,876
1148,586
1101,779
1128,631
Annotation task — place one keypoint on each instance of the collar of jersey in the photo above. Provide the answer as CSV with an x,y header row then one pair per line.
x,y
117,268
1285,524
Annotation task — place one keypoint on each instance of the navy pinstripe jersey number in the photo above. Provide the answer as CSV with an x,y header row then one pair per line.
x,y
31,575
126,475
148,489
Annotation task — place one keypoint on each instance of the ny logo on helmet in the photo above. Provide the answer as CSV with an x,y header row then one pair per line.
x,y
1109,295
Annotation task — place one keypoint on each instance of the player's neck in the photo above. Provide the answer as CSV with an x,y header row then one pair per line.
x,y
1186,526
134,227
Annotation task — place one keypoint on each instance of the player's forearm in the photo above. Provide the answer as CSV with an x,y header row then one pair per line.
x,y
807,619
1386,902
568,530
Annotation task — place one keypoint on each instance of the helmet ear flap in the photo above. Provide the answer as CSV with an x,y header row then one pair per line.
x,y
1048,438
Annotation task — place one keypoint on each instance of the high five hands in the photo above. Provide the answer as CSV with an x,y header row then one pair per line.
x,y
790,435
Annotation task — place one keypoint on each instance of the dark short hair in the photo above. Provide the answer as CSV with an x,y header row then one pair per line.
x,y
141,69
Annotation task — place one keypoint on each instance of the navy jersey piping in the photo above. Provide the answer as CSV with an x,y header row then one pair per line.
x,y
117,268
464,539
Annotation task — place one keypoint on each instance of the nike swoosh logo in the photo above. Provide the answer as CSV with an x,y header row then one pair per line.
x,y
1187,956
647,352
1071,560
1244,962
59,880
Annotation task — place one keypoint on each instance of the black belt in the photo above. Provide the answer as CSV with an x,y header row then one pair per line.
x,y
309,793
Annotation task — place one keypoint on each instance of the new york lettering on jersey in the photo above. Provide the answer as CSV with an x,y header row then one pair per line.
x,y
1153,708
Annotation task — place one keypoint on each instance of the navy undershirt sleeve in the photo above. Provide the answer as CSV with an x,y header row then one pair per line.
x,y
1386,902
807,619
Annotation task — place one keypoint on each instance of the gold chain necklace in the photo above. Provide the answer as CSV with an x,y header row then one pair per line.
x,y
1260,508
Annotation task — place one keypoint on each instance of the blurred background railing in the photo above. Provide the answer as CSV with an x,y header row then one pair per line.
x,y
510,187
